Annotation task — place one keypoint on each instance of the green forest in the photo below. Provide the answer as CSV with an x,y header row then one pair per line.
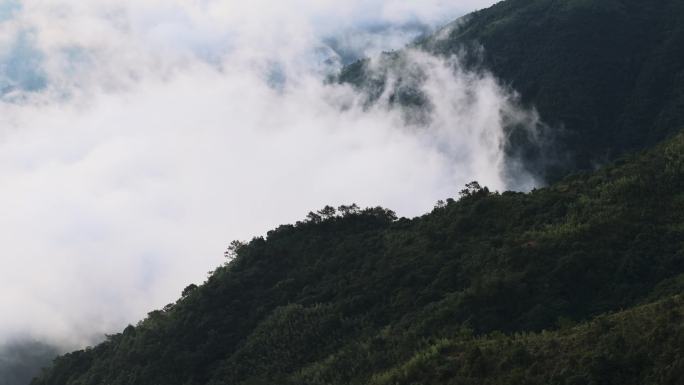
x,y
579,282
351,296
607,77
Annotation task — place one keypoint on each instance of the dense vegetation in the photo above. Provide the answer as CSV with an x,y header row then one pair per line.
x,y
490,287
606,76
341,299
639,346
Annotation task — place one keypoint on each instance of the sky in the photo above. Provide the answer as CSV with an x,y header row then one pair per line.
x,y
139,137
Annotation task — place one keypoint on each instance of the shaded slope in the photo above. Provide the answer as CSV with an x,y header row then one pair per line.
x,y
337,299
21,360
638,346
607,76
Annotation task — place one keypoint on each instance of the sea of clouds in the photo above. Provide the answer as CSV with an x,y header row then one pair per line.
x,y
139,137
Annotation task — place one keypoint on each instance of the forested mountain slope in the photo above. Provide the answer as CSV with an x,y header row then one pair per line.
x,y
606,76
338,299
575,283
639,346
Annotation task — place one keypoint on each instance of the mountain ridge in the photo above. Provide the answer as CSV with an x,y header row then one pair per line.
x,y
579,282
326,288
606,77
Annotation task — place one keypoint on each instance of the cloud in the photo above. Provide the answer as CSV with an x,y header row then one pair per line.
x,y
162,130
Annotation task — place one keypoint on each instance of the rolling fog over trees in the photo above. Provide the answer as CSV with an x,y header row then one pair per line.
x,y
140,138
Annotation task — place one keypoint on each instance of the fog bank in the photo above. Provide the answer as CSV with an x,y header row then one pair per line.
x,y
138,138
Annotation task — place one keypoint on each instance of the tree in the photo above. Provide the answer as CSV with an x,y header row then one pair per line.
x,y
380,212
473,189
189,289
233,249
348,210
327,212
313,217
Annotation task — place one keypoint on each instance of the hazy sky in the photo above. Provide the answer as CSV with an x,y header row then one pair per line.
x,y
139,137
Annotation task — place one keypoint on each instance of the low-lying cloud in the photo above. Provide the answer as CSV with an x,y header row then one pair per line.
x,y
138,138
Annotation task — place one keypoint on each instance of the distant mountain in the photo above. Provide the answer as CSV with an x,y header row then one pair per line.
x,y
20,361
607,76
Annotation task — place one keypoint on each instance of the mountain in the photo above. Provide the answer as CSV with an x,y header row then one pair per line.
x,y
637,346
338,299
20,361
579,282
607,77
